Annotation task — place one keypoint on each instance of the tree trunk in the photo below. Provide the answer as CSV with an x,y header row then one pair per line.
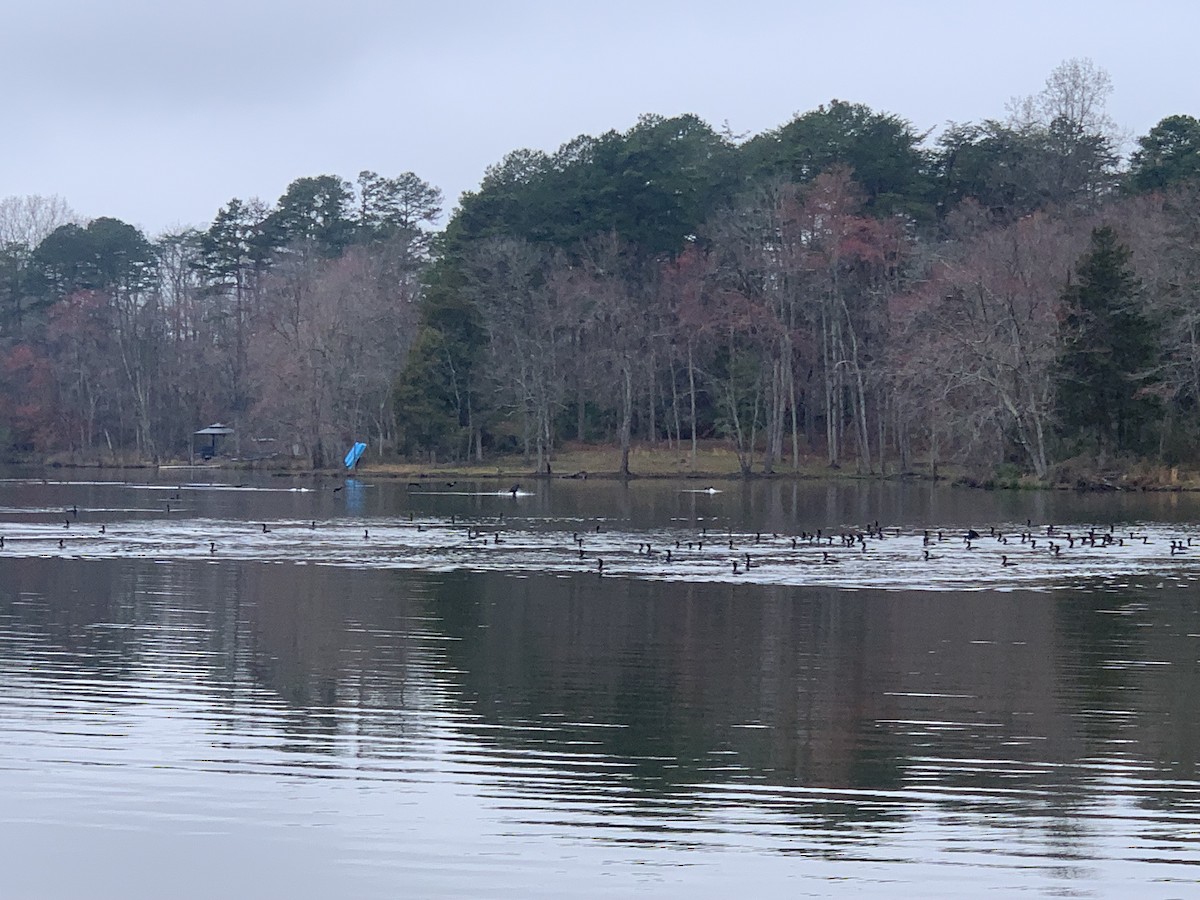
x,y
626,415
692,398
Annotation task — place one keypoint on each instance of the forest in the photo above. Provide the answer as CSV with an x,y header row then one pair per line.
x,y
1015,296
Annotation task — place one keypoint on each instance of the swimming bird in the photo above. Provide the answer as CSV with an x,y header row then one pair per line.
x,y
265,529
102,529
1005,561
212,546
366,534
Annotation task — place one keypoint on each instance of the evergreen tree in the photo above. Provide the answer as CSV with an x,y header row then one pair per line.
x,y
1106,367
1169,154
438,406
313,213
882,151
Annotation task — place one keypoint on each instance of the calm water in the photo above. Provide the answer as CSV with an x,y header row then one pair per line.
x,y
431,692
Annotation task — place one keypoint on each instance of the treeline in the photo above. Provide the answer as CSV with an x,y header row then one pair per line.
x,y
288,321
1014,293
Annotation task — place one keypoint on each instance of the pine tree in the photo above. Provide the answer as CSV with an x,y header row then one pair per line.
x,y
1109,351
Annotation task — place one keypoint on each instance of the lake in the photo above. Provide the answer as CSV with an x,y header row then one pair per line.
x,y
231,684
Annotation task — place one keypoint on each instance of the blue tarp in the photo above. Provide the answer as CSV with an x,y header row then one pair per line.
x,y
354,454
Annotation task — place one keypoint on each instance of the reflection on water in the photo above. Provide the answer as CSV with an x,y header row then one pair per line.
x,y
360,731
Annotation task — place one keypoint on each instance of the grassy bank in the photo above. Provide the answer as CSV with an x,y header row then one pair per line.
x,y
661,461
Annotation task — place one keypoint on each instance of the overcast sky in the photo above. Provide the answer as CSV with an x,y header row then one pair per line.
x,y
158,112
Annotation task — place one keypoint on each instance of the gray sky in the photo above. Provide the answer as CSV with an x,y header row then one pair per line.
x,y
159,111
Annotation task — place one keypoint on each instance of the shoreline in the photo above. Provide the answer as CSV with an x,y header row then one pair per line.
x,y
1141,478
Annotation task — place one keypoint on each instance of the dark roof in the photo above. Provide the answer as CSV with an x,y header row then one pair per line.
x,y
215,428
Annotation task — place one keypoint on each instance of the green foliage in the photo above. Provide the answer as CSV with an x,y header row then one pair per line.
x,y
1014,171
437,402
107,255
991,164
881,151
234,242
391,206
313,213
1106,367
1169,154
14,289
653,186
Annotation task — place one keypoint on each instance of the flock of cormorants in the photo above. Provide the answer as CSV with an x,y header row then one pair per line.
x,y
615,550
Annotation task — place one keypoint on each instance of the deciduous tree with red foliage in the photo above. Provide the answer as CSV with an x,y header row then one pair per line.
x,y
28,421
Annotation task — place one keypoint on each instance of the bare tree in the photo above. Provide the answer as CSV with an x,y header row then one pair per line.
x,y
28,219
528,332
981,335
330,337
